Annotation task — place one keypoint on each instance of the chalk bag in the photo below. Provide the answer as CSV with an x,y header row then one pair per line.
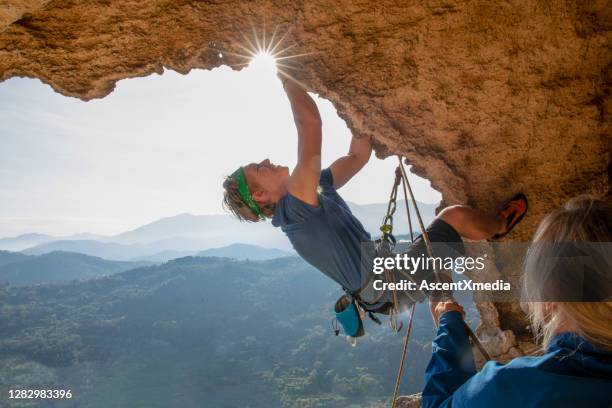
x,y
348,316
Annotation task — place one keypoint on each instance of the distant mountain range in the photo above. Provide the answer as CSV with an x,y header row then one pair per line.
x,y
187,234
155,252
106,250
203,332
245,251
236,251
7,257
24,241
18,269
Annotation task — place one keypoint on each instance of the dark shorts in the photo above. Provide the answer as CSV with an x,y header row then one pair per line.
x,y
449,242
446,242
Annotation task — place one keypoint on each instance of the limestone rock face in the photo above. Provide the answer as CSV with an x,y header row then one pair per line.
x,y
13,10
485,99
410,401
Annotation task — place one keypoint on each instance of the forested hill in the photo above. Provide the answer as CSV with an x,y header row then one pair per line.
x,y
17,269
200,332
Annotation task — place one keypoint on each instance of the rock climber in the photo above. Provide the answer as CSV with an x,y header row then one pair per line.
x,y
305,205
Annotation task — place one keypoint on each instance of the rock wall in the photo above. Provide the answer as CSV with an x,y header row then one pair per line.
x,y
13,10
484,98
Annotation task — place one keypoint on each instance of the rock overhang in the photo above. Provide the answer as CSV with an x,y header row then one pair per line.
x,y
483,99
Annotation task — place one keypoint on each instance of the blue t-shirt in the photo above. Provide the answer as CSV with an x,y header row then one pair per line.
x,y
328,237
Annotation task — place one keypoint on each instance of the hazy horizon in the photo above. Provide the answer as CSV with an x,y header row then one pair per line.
x,y
155,147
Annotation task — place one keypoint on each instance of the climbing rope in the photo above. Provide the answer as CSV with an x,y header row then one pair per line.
x,y
400,175
387,237
407,208
400,371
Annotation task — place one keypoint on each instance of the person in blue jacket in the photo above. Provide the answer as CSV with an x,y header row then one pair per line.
x,y
576,367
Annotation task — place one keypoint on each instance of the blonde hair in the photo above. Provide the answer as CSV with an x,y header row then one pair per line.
x,y
582,219
233,203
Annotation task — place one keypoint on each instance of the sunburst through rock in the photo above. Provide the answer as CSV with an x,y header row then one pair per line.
x,y
266,53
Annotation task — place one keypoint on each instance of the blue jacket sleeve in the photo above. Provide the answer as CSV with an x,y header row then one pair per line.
x,y
451,363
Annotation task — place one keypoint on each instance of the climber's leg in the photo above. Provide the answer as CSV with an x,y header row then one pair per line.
x,y
447,230
472,224
475,225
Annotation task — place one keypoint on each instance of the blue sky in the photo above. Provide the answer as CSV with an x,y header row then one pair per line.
x,y
155,147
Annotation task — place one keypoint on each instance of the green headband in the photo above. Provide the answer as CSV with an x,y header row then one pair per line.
x,y
243,190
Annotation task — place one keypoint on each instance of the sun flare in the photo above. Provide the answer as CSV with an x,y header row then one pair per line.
x,y
263,60
265,53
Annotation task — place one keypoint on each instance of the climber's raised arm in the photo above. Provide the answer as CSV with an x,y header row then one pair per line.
x,y
347,166
304,179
